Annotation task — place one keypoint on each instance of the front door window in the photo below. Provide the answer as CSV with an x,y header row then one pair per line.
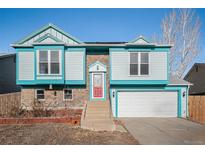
x,y
97,86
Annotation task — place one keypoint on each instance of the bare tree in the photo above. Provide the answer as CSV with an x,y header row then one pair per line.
x,y
181,27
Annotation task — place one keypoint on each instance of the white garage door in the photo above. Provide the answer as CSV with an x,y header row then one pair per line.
x,y
147,104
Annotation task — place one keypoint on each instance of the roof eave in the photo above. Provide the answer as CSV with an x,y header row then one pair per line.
x,y
8,55
94,45
181,84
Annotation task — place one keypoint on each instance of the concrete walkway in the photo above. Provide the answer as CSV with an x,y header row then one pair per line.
x,y
98,117
165,130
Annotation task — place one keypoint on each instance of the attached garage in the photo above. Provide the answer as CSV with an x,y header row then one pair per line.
x,y
147,104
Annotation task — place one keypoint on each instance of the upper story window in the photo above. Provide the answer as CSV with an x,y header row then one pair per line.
x,y
49,62
55,64
144,65
43,62
134,63
139,63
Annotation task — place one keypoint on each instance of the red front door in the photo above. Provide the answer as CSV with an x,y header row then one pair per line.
x,y
97,86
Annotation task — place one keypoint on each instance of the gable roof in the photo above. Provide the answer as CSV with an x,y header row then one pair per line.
x,y
202,65
97,66
51,34
140,40
44,28
176,81
48,36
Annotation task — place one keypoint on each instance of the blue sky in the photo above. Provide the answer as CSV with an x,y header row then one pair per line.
x,y
87,24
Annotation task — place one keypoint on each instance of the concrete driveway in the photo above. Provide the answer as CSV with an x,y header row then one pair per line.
x,y
165,130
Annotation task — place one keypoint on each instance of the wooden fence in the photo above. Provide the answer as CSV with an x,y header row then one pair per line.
x,y
9,104
197,108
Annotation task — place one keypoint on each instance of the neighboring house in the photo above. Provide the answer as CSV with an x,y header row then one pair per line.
x,y
62,71
196,75
8,73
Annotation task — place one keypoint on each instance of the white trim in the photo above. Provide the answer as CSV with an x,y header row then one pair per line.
x,y
139,63
64,94
60,61
37,61
36,94
103,77
49,62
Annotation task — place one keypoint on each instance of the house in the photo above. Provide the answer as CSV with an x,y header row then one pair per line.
x,y
61,71
196,75
8,73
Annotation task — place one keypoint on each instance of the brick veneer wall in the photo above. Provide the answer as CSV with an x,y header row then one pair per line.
x,y
80,95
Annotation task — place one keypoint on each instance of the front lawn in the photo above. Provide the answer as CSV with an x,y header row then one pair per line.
x,y
60,134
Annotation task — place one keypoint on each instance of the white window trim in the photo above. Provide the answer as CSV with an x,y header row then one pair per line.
x,y
49,62
64,94
103,85
36,94
139,63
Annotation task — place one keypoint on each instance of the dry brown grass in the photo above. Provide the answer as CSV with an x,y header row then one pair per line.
x,y
60,134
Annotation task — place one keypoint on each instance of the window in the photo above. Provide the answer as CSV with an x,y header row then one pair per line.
x,y
68,94
139,63
40,94
133,63
49,62
55,62
144,65
43,62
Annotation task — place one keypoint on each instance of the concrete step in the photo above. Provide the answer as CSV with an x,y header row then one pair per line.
x,y
98,104
99,121
98,111
96,107
100,107
98,117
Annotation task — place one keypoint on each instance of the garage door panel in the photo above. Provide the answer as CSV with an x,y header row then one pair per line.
x,y
147,104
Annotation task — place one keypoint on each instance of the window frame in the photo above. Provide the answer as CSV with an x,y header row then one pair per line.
x,y
64,94
139,64
49,62
55,62
134,63
144,63
43,62
36,95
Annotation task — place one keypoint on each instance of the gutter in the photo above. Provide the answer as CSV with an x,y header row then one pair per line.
x,y
95,45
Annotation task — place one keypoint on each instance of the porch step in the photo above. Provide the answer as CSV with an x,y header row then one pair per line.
x,y
98,117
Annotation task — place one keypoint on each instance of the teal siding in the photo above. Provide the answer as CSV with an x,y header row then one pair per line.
x,y
158,66
49,79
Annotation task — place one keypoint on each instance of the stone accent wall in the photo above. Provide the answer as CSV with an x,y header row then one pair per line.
x,y
27,98
80,94
53,99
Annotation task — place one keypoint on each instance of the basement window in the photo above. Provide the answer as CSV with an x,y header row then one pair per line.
x,y
40,94
68,94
